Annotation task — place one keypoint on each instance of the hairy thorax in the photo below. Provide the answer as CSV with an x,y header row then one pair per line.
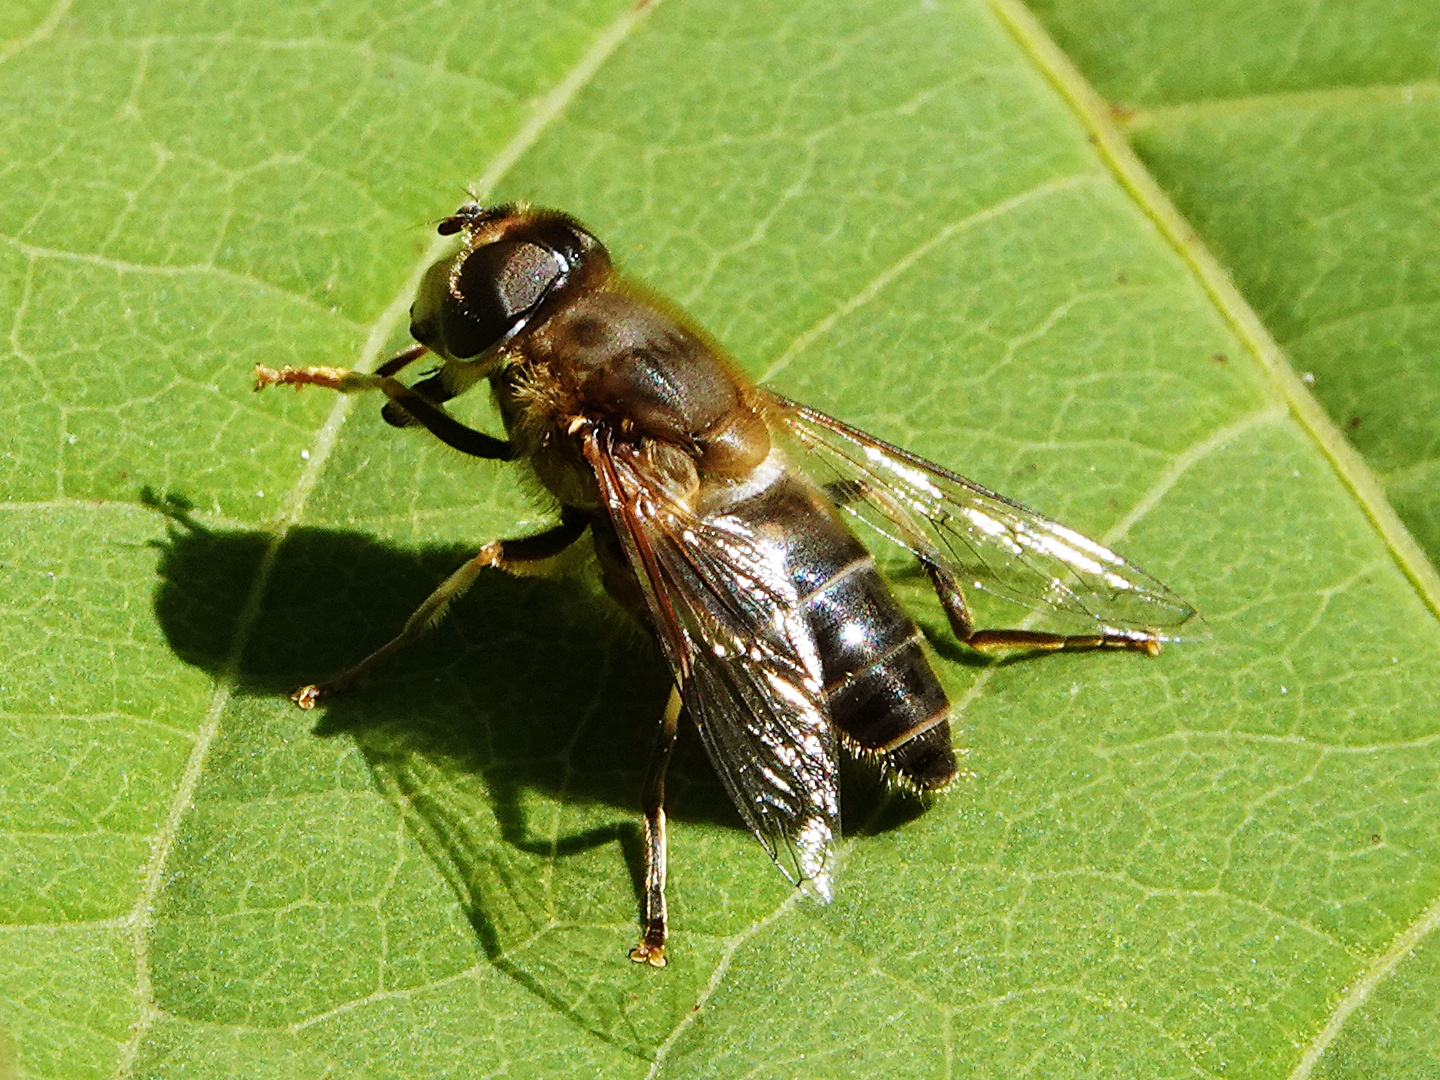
x,y
614,356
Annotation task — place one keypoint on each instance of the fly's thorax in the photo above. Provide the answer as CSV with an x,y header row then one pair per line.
x,y
638,367
673,468
537,410
615,573
736,445
559,466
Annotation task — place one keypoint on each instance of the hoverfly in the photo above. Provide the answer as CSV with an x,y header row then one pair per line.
x,y
785,643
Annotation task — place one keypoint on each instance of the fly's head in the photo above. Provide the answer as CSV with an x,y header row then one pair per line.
x,y
512,262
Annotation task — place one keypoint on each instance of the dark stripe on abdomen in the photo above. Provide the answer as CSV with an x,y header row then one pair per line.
x,y
881,690
882,693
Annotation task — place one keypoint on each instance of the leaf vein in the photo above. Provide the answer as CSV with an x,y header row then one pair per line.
x,y
121,266
1320,98
1360,990
1094,113
877,284
43,30
722,967
549,108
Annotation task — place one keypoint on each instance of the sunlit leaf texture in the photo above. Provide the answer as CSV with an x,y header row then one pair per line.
x,y
1223,861
1300,140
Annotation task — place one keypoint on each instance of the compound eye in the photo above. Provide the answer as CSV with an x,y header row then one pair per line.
x,y
492,292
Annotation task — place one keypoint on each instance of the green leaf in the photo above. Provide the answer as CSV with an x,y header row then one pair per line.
x,y
1299,141
914,217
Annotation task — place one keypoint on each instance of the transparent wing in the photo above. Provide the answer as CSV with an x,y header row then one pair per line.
x,y
982,539
725,612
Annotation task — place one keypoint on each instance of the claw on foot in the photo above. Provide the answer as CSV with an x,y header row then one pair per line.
x,y
645,953
307,697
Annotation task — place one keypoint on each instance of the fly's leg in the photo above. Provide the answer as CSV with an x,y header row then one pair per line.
x,y
424,411
951,599
651,949
502,555
958,613
434,389
401,360
438,388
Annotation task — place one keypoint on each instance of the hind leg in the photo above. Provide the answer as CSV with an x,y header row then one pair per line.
x,y
957,612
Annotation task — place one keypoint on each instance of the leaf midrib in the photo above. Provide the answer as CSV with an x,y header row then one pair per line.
x,y
1098,118
1094,114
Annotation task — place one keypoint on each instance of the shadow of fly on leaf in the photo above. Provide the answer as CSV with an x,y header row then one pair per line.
x,y
526,698
507,740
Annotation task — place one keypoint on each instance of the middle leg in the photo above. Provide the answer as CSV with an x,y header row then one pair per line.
x,y
502,555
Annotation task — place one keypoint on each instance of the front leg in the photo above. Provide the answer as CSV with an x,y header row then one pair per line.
x,y
503,555
425,412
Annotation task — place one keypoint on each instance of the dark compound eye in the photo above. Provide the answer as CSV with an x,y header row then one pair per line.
x,y
493,290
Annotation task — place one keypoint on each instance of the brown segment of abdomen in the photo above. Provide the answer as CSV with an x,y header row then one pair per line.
x,y
883,695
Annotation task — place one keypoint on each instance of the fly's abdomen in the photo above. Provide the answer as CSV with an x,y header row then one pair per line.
x,y
883,696
882,692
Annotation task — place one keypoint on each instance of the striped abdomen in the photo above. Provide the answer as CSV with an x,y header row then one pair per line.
x,y
883,696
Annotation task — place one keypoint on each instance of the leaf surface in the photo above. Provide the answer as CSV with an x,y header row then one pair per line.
x,y
1176,867
1299,141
